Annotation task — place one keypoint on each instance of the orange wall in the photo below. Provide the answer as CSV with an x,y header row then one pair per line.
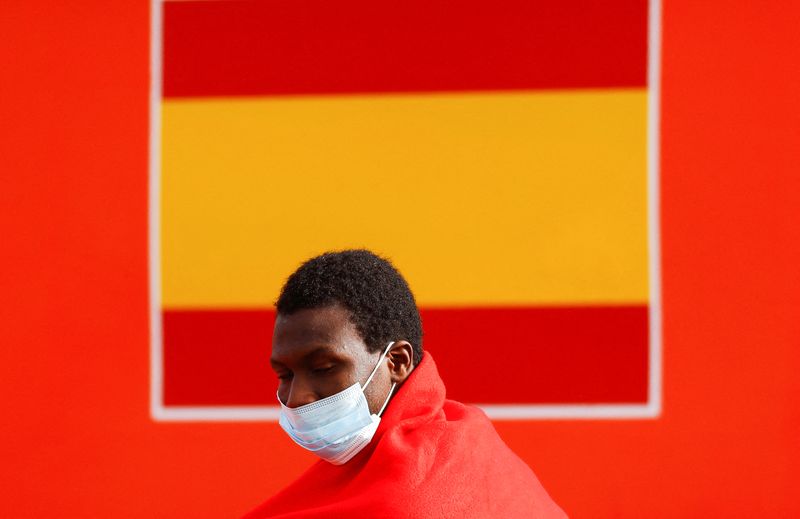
x,y
75,436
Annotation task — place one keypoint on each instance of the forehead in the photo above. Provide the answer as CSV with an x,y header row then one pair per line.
x,y
311,330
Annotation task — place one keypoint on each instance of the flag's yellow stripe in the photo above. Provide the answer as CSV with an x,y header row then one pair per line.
x,y
485,198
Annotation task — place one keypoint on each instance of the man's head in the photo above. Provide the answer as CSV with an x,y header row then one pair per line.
x,y
336,315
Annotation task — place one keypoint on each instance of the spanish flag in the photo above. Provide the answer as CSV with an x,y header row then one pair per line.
x,y
496,152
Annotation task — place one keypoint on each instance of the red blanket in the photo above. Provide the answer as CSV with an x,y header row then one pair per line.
x,y
430,458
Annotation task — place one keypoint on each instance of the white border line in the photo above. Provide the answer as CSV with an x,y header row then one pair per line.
x,y
157,410
655,383
652,409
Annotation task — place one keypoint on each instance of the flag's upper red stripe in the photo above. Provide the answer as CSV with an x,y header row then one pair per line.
x,y
216,48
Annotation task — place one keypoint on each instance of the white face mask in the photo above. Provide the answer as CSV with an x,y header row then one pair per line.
x,y
335,428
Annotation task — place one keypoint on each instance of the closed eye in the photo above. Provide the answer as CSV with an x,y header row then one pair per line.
x,y
322,370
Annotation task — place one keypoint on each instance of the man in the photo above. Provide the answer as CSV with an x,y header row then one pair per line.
x,y
356,389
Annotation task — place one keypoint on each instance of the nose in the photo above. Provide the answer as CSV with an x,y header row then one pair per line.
x,y
300,393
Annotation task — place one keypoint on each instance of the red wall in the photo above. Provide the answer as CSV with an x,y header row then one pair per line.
x,y
75,435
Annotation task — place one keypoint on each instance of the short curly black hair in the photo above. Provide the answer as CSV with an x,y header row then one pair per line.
x,y
378,298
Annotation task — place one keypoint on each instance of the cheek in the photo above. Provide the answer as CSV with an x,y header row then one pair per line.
x,y
334,383
310,388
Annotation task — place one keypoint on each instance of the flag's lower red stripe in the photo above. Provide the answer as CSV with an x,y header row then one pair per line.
x,y
485,355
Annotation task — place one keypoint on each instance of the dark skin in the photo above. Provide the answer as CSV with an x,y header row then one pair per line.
x,y
318,352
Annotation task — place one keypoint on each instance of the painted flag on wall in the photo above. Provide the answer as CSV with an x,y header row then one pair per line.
x,y
497,153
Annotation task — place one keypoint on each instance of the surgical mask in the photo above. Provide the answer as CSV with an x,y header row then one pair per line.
x,y
335,428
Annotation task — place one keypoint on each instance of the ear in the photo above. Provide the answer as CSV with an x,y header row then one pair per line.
x,y
401,361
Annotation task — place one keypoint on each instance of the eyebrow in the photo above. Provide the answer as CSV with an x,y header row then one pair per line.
x,y
315,351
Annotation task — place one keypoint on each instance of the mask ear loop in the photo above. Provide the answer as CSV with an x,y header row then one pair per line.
x,y
375,370
386,402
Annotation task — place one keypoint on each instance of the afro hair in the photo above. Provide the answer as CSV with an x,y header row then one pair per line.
x,y
369,287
